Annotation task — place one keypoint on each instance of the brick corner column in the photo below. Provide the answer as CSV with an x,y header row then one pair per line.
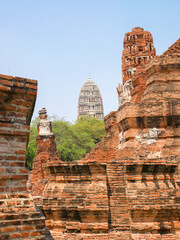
x,y
19,217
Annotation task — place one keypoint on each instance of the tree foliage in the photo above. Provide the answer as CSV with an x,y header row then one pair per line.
x,y
73,141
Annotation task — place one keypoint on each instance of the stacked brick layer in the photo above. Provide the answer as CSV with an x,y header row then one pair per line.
x,y
46,153
173,49
75,200
19,218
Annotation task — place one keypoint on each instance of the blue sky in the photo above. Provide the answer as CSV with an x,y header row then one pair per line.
x,y
58,42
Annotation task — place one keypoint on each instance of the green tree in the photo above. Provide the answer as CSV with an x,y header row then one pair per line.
x,y
73,141
64,139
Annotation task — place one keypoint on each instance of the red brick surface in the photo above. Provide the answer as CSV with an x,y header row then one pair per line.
x,y
46,152
19,218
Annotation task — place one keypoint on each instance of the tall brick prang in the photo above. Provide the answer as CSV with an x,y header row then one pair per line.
x,y
19,218
138,49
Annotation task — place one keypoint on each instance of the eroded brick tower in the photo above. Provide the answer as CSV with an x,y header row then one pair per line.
x,y
138,49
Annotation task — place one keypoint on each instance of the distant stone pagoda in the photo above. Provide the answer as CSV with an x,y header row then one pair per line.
x,y
90,101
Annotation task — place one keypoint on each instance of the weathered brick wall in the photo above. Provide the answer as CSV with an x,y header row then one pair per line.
x,y
46,152
119,221
19,218
150,151
75,201
173,49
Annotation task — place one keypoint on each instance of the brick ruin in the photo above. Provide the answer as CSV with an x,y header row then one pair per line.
x,y
127,188
46,152
138,49
19,217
